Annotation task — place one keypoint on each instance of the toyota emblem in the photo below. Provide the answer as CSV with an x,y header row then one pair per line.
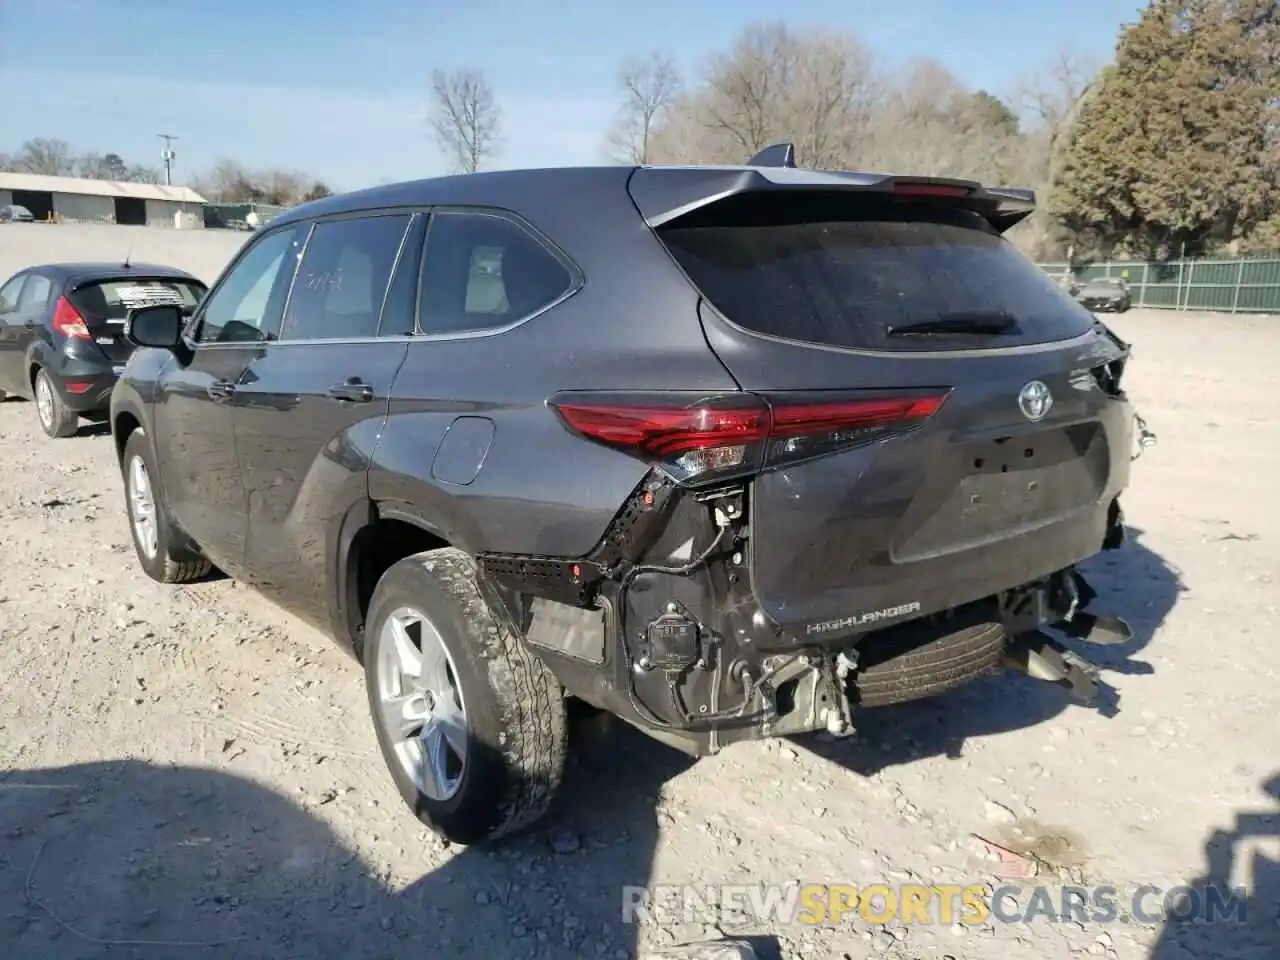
x,y
1034,400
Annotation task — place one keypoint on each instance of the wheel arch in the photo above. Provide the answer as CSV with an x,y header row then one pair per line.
x,y
37,360
371,538
124,423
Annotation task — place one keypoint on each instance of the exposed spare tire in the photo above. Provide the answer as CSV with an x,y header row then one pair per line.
x,y
927,658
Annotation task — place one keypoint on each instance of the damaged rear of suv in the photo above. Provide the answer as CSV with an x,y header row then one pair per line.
x,y
926,439
729,452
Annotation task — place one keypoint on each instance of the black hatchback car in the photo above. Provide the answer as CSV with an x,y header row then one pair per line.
x,y
62,339
729,452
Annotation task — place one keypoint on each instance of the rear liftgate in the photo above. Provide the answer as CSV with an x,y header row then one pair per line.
x,y
1040,656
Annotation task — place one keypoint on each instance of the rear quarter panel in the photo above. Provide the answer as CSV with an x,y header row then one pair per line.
x,y
632,325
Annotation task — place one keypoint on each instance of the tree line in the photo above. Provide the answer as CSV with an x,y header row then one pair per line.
x,y
1172,148
225,182
57,158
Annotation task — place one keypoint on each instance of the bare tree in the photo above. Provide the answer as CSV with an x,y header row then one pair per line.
x,y
649,85
831,99
1050,99
816,90
746,87
50,157
228,182
1051,93
102,166
464,118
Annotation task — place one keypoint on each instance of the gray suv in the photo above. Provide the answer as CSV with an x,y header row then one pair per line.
x,y
729,452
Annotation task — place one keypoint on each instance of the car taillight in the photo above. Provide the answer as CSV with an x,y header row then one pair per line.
x,y
67,320
908,188
700,437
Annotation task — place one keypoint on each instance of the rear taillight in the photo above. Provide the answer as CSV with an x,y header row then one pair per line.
x,y
67,320
701,438
908,188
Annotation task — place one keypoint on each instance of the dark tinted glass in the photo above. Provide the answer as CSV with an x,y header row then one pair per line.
x,y
343,277
843,273
113,299
483,271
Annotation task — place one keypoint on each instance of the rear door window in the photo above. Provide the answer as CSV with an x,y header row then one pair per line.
x,y
484,271
343,278
846,272
111,300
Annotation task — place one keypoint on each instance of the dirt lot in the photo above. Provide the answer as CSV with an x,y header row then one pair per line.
x,y
190,772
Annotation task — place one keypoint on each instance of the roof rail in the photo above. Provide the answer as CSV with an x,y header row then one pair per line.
x,y
775,155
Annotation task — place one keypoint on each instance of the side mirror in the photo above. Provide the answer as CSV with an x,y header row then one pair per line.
x,y
159,326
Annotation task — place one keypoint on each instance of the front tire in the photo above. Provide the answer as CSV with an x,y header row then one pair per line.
x,y
155,540
56,418
471,725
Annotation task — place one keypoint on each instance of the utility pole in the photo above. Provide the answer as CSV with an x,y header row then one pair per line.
x,y
167,155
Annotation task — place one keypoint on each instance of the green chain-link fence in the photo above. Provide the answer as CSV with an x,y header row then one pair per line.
x,y
1236,285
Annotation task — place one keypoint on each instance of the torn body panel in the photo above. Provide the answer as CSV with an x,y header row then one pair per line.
x,y
660,626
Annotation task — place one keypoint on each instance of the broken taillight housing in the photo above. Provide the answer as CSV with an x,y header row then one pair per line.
x,y
695,438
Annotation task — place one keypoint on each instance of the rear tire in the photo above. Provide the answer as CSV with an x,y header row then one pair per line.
x,y
161,552
490,695
56,418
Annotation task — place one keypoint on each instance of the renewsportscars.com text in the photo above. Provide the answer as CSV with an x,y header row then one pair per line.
x,y
816,904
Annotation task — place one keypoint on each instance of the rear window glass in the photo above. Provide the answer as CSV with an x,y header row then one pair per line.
x,y
845,272
113,299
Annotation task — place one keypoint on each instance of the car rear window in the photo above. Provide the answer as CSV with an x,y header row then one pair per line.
x,y
844,271
113,299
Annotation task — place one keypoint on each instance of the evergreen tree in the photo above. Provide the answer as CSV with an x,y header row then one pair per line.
x,y
1176,146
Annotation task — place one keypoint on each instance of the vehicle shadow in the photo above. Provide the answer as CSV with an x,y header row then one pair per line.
x,y
94,428
128,858
1134,582
1252,932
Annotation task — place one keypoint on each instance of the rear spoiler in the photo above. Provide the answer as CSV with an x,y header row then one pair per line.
x,y
666,193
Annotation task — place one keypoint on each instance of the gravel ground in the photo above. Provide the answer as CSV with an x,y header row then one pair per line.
x,y
189,771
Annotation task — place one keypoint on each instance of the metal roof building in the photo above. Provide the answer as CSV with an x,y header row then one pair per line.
x,y
73,200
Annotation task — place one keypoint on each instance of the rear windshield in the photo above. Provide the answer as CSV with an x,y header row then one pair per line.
x,y
845,272
112,299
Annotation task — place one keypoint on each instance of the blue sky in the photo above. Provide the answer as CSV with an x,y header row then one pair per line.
x,y
339,88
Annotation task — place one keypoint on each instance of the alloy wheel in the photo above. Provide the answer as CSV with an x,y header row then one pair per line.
x,y
142,506
420,705
44,401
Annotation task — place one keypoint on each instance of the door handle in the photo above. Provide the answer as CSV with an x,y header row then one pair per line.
x,y
221,390
352,390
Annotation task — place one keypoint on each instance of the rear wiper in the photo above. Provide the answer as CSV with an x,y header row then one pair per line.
x,y
975,322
